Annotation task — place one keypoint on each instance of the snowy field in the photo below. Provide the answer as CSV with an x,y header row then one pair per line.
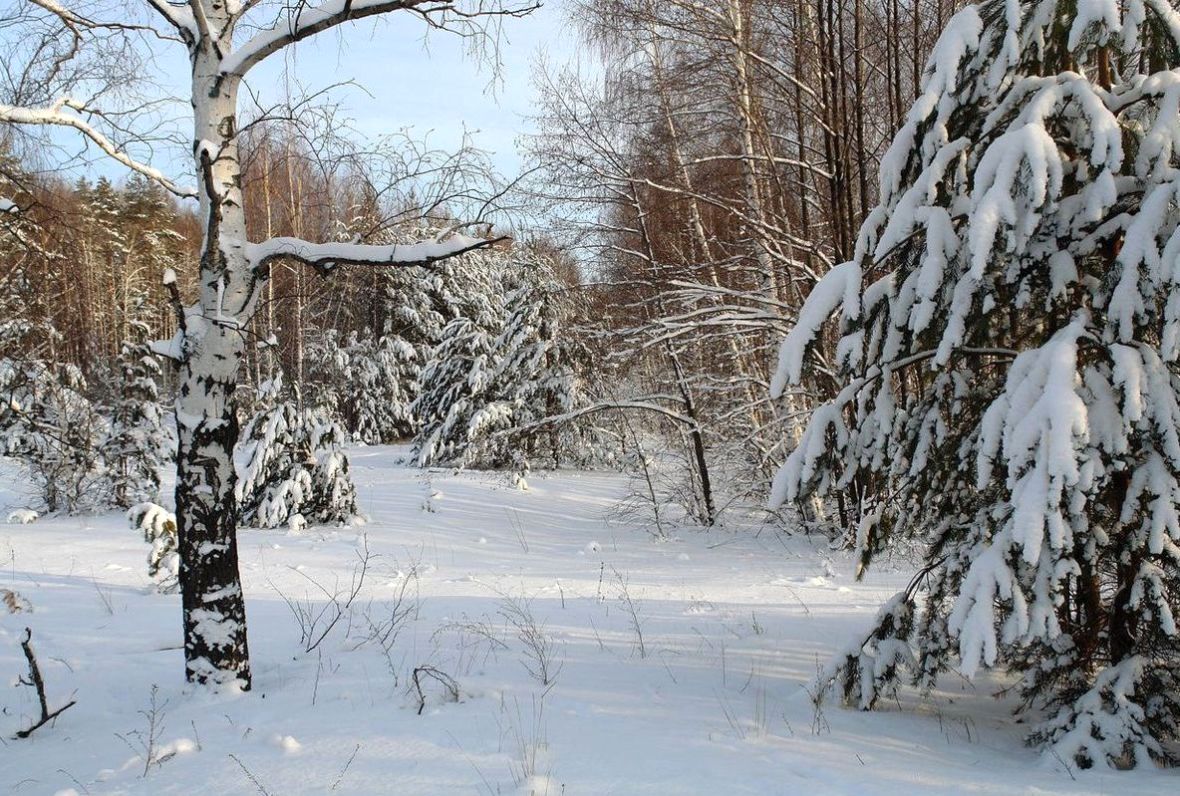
x,y
675,667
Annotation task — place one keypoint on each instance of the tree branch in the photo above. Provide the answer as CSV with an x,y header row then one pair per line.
x,y
179,17
301,22
59,113
324,257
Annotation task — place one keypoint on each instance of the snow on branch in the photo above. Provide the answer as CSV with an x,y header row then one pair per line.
x,y
65,113
611,406
840,286
181,17
326,256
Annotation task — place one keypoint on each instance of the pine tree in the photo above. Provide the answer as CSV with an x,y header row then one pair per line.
x,y
137,442
292,466
1010,401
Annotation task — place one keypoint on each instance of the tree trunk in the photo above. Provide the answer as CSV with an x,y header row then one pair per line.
x,y
215,647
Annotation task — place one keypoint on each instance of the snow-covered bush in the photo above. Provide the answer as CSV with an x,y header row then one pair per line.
x,y
54,432
291,462
158,526
1010,402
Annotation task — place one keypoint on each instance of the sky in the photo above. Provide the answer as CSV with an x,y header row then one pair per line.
x,y
429,84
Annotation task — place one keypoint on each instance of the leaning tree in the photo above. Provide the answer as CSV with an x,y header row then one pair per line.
x,y
224,41
1010,396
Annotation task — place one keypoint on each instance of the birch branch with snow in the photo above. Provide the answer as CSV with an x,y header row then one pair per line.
x,y
65,112
325,257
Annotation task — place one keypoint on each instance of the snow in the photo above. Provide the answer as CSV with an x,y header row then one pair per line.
x,y
838,287
8,206
1103,14
22,517
172,348
332,253
733,634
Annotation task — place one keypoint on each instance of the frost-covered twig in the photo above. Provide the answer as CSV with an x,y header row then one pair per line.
x,y
541,660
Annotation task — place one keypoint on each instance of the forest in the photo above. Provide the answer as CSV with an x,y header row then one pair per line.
x,y
808,390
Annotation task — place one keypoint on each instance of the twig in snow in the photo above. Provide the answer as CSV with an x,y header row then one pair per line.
x,y
517,524
442,678
541,659
344,770
632,609
250,776
35,680
315,625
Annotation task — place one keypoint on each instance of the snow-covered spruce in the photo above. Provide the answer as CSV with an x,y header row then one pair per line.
x,y
497,373
1009,331
368,381
137,442
456,384
158,526
292,468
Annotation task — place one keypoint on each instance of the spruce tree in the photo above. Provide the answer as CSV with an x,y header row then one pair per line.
x,y
457,402
137,442
383,373
292,468
541,369
1010,400
496,377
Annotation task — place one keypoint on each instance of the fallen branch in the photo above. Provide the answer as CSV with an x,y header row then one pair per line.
x,y
35,680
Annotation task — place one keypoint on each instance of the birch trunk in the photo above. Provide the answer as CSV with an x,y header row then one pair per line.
x,y
215,647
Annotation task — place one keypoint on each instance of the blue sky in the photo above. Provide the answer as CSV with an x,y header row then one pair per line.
x,y
430,85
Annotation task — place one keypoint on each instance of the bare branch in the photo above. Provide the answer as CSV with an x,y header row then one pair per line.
x,y
74,20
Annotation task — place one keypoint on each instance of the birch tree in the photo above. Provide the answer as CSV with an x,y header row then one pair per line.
x,y
225,40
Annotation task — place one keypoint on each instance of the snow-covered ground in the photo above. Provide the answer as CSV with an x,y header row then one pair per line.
x,y
674,667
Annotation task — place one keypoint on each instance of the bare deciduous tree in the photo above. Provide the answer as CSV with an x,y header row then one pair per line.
x,y
224,40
